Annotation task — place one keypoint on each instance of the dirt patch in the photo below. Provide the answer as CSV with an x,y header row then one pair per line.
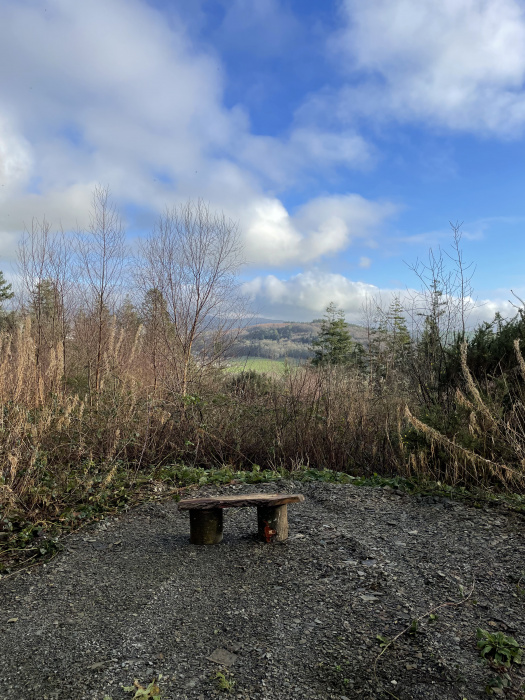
x,y
131,598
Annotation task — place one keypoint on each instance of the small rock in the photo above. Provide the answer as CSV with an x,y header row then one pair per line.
x,y
222,657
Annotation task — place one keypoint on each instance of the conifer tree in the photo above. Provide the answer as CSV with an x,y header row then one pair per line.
x,y
398,338
6,294
333,345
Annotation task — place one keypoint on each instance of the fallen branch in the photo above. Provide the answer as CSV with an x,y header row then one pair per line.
x,y
417,620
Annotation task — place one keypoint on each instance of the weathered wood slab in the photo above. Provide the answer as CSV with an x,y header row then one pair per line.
x,y
241,501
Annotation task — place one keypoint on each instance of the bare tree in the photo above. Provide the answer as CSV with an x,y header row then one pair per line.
x,y
102,255
439,311
191,259
33,259
45,269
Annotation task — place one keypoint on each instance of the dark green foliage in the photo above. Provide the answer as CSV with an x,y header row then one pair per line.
x,y
491,348
6,293
498,648
390,344
250,383
432,351
334,344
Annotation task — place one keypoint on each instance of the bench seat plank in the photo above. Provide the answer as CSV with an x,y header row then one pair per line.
x,y
241,501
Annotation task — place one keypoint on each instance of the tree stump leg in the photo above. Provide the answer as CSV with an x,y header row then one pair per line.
x,y
206,526
272,523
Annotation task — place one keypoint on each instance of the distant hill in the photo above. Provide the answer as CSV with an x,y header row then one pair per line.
x,y
277,340
259,320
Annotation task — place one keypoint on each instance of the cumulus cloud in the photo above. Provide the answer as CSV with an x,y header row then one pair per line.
x,y
324,226
456,63
110,91
307,294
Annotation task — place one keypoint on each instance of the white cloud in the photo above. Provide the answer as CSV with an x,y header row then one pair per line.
x,y
15,157
307,294
8,246
109,91
364,262
281,160
456,63
324,226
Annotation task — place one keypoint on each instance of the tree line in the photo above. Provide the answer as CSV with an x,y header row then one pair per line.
x,y
176,299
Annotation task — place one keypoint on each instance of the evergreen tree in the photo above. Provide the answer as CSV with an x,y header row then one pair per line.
x,y
431,355
5,289
128,316
6,293
398,338
333,345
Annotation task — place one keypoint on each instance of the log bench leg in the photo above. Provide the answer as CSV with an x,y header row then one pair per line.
x,y
206,526
272,523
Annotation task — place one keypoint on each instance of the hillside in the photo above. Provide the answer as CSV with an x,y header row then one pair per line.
x,y
279,340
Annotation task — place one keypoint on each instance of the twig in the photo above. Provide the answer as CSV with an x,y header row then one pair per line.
x,y
37,563
417,620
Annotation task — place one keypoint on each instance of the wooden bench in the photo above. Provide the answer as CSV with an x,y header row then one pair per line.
x,y
206,521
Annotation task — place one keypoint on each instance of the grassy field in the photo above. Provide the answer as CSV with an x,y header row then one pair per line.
x,y
257,364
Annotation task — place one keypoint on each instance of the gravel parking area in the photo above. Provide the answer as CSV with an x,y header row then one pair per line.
x,y
130,598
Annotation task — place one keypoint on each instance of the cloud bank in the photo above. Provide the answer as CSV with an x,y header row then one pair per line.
x,y
458,64
109,91
306,295
116,92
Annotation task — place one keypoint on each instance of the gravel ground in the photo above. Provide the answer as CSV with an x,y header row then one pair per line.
x,y
131,598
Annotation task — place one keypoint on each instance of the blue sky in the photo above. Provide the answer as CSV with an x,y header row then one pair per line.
x,y
342,135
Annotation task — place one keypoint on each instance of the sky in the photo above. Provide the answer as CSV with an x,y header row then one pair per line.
x,y
343,136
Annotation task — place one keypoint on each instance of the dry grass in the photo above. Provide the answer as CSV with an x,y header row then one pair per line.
x,y
61,446
488,449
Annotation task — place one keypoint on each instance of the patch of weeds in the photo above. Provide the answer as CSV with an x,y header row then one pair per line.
x,y
498,649
412,630
150,692
394,482
181,475
225,681
497,684
341,671
383,641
